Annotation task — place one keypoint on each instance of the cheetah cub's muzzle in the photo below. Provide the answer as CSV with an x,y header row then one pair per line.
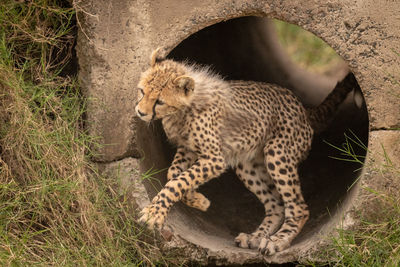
x,y
143,116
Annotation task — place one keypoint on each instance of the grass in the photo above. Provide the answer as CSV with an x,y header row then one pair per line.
x,y
375,240
306,49
55,208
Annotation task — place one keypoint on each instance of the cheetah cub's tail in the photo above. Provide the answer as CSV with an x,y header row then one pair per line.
x,y
321,115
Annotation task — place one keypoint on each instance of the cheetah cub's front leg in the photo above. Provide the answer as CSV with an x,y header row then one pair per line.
x,y
202,170
182,160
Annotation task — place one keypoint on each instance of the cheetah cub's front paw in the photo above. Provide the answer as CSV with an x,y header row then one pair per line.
x,y
244,240
153,216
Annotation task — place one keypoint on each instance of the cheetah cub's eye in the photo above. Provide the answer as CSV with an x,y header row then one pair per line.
x,y
140,94
159,102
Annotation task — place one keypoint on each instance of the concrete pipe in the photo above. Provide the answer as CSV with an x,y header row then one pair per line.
x,y
239,42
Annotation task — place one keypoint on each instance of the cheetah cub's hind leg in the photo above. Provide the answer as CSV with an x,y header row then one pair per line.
x,y
282,167
255,177
182,161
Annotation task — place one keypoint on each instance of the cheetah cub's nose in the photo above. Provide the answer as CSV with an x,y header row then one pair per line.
x,y
139,113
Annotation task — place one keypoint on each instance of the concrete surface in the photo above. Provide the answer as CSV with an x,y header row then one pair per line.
x,y
114,44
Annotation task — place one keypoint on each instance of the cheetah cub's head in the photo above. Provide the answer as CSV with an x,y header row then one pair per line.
x,y
163,89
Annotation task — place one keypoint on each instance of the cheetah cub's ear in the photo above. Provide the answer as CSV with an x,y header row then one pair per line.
x,y
156,57
185,83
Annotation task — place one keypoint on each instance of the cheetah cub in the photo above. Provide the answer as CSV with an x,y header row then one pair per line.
x,y
261,130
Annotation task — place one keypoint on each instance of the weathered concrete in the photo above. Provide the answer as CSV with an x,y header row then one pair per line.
x,y
383,167
127,175
114,45
119,36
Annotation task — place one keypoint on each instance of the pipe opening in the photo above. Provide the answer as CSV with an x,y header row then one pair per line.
x,y
248,49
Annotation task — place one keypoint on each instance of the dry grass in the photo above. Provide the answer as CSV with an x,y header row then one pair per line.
x,y
55,209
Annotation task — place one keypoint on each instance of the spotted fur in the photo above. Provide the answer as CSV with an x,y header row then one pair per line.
x,y
261,130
